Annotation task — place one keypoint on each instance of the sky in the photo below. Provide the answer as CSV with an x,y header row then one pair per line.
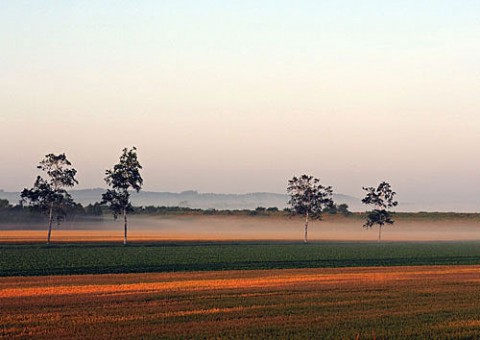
x,y
239,96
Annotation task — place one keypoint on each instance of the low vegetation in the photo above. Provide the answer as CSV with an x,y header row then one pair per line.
x,y
100,258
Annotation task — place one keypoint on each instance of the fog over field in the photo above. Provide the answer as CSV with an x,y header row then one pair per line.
x,y
233,228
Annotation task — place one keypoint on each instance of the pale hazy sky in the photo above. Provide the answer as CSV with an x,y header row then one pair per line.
x,y
239,96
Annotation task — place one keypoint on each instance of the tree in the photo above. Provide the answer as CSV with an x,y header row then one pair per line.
x,y
308,198
332,209
343,209
381,198
94,209
4,204
50,195
125,175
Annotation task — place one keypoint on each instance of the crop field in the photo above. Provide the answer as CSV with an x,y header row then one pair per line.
x,y
376,302
102,258
243,289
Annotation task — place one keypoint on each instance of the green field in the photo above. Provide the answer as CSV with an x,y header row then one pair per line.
x,y
96,258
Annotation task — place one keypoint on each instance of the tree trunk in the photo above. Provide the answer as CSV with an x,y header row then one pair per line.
x,y
306,229
379,233
50,221
125,227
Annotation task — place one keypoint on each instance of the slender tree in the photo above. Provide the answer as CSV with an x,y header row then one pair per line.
x,y
4,204
125,175
49,194
381,198
308,198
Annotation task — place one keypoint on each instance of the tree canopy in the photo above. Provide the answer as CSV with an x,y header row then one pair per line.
x,y
49,195
381,198
308,198
125,175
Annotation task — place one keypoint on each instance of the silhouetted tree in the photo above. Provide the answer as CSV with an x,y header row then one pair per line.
x,y
308,198
94,209
49,195
4,204
332,209
125,175
381,198
343,209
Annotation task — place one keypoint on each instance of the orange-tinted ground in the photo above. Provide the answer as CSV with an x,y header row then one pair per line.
x,y
424,302
249,228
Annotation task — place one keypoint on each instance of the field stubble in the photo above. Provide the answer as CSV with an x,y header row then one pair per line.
x,y
385,302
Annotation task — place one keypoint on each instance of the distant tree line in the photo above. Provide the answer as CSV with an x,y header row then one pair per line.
x,y
26,213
